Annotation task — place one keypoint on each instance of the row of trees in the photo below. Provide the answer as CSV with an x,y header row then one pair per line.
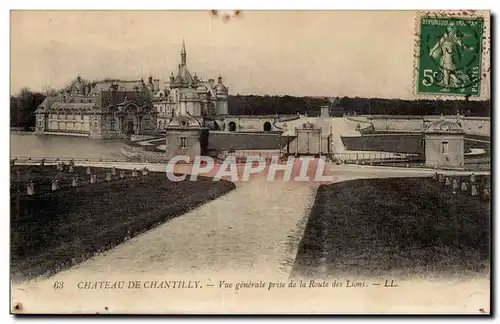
x,y
263,105
24,104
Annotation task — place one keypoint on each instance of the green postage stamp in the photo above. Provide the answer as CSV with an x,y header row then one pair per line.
x,y
450,55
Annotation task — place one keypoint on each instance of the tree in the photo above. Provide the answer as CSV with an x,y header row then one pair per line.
x,y
23,106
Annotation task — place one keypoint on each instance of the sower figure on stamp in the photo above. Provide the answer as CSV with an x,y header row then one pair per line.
x,y
448,51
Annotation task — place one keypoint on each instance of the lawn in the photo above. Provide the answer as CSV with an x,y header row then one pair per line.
x,y
51,231
402,227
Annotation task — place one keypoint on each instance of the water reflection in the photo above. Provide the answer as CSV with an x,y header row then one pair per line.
x,y
29,145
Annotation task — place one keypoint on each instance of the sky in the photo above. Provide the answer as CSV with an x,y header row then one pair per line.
x,y
300,53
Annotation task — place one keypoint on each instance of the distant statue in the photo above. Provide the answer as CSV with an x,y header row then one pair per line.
x,y
464,186
122,175
441,178
30,188
55,185
474,190
486,194
108,176
472,178
74,182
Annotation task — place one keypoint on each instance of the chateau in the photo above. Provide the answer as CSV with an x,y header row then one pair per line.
x,y
107,109
119,108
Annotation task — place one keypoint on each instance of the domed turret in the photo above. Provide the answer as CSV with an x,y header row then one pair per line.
x,y
220,88
443,125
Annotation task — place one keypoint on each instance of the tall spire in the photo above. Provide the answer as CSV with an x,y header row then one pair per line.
x,y
183,53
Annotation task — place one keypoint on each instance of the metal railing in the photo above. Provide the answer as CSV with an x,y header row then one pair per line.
x,y
374,157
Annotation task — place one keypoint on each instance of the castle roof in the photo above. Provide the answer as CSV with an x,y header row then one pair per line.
x,y
183,76
122,85
72,106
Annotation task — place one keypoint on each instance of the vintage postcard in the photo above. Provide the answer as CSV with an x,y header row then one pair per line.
x,y
250,162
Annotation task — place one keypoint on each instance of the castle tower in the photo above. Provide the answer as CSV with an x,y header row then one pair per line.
x,y
183,53
222,94
444,144
150,84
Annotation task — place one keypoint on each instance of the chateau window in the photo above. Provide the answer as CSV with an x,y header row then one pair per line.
x,y
444,148
183,142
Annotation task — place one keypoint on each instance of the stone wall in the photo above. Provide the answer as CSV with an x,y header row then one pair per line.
x,y
471,125
250,123
140,154
398,143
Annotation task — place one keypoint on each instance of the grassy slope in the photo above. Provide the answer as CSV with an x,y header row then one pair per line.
x,y
398,226
67,226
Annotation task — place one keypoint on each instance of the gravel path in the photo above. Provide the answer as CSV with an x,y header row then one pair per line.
x,y
254,235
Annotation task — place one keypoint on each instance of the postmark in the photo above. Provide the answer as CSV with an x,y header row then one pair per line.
x,y
449,58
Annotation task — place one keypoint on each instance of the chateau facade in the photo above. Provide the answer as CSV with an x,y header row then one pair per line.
x,y
119,108
189,96
107,109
